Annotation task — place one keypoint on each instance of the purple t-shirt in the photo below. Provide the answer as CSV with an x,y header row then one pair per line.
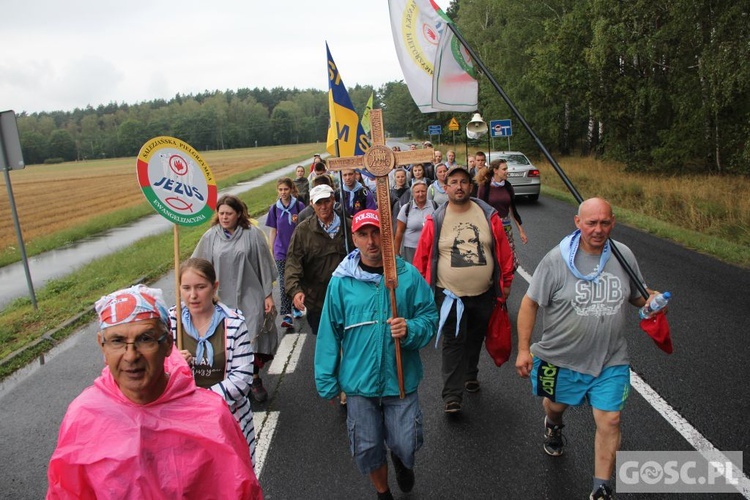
x,y
280,220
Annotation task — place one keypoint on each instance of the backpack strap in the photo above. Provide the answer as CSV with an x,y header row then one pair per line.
x,y
486,194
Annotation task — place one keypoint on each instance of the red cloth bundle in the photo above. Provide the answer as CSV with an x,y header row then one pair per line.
x,y
657,328
498,339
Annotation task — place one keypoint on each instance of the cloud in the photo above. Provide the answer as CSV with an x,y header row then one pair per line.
x,y
90,80
75,83
59,55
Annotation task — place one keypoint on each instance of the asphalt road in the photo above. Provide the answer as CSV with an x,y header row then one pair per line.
x,y
493,449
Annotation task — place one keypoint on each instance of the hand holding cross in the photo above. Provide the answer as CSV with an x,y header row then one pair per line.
x,y
379,161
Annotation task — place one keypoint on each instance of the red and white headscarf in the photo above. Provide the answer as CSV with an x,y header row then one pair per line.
x,y
137,303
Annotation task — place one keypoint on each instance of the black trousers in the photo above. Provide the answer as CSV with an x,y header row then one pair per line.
x,y
313,319
461,352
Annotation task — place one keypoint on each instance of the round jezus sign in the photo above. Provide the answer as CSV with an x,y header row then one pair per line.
x,y
176,181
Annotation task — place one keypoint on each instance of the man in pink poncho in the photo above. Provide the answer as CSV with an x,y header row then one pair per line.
x,y
144,430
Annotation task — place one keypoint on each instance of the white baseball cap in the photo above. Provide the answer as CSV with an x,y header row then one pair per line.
x,y
320,192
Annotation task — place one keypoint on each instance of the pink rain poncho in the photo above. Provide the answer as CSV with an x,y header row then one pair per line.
x,y
186,444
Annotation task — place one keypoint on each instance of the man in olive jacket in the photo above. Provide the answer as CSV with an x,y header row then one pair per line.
x,y
317,247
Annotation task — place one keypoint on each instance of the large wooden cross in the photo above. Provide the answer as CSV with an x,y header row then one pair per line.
x,y
379,161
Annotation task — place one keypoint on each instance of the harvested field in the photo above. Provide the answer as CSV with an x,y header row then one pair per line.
x,y
50,198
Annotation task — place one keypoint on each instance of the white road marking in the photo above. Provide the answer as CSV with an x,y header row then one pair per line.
x,y
524,274
285,361
678,422
265,427
690,433
287,355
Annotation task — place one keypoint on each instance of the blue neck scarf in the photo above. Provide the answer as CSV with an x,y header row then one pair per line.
x,y
445,310
498,184
349,267
569,248
286,210
204,349
333,227
350,201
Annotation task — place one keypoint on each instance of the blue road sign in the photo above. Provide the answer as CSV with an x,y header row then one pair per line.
x,y
435,129
500,128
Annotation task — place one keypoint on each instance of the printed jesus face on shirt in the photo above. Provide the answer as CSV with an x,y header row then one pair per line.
x,y
467,250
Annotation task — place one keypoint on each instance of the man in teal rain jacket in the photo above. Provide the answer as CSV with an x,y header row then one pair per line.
x,y
355,353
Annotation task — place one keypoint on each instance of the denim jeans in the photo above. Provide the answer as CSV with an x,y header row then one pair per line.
x,y
374,423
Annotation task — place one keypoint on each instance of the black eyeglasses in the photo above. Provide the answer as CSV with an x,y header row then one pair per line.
x,y
144,344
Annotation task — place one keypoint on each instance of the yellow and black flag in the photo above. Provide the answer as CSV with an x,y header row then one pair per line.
x,y
344,124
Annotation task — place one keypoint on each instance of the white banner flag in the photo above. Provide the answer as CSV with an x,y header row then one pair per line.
x,y
437,68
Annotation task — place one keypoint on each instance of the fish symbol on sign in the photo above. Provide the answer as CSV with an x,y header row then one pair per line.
x,y
179,204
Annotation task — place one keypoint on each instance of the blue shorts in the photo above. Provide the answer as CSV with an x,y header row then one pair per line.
x,y
374,423
607,392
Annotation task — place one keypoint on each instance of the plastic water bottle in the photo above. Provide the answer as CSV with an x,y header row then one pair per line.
x,y
657,303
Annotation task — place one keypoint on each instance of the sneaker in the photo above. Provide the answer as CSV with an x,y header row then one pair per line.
x,y
287,322
259,392
385,496
603,492
404,476
554,441
452,407
472,386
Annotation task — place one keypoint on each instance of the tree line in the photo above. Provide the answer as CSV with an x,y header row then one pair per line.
x,y
661,86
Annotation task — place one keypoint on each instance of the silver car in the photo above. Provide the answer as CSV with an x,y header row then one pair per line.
x,y
522,174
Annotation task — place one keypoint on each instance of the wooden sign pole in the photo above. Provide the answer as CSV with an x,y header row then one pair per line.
x,y
178,301
379,161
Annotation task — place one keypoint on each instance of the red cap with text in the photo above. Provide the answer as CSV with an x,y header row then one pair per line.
x,y
364,218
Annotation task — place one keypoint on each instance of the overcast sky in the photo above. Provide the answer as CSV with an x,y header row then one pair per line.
x,y
59,55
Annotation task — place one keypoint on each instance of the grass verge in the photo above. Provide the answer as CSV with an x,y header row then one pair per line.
x,y
719,248
146,260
